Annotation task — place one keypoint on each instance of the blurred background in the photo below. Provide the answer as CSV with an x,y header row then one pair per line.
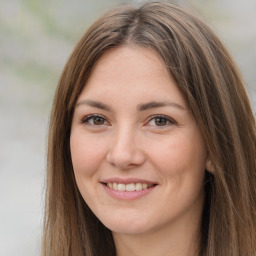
x,y
36,38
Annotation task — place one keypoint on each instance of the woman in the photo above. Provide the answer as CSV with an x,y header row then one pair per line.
x,y
151,142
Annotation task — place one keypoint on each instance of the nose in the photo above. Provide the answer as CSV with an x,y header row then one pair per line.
x,y
125,152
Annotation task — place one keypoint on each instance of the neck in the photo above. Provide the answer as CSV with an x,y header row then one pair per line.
x,y
172,241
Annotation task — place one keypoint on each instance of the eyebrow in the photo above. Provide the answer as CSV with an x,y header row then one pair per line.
x,y
95,104
140,107
154,104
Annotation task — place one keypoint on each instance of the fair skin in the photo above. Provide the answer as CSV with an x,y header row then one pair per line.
x,y
138,155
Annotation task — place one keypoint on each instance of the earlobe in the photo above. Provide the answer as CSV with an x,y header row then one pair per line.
x,y
209,166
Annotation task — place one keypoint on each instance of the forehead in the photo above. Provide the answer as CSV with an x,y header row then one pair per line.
x,y
128,62
133,71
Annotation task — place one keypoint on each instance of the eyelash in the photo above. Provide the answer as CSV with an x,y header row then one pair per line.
x,y
86,119
168,120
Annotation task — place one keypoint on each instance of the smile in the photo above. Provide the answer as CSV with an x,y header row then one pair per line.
x,y
128,187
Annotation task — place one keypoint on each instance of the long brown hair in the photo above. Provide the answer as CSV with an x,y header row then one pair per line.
x,y
212,86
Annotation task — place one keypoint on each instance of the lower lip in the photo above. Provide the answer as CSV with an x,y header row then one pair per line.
x,y
127,195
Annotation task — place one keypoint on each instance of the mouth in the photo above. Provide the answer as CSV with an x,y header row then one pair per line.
x,y
130,187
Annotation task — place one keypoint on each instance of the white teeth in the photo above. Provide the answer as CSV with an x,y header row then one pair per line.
x,y
138,186
130,187
127,187
114,186
121,187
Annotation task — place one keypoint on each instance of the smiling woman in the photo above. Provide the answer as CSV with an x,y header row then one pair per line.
x,y
147,150
133,154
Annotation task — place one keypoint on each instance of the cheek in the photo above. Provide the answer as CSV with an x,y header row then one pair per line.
x,y
86,158
180,155
86,155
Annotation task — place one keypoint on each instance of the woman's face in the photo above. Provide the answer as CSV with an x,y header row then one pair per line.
x,y
138,156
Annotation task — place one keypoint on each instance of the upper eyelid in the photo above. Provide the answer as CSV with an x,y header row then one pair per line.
x,y
87,117
162,116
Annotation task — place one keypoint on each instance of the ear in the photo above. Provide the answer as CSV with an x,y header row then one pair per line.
x,y
209,166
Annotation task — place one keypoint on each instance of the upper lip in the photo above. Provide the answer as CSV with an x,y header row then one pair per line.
x,y
127,181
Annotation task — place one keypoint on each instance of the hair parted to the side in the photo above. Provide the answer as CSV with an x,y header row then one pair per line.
x,y
212,86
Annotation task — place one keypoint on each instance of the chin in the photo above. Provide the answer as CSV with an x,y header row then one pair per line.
x,y
128,229
130,225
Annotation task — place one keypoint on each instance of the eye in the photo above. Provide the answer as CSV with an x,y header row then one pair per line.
x,y
160,120
95,120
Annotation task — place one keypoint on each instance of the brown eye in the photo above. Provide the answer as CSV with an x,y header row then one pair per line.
x,y
97,120
94,120
160,121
